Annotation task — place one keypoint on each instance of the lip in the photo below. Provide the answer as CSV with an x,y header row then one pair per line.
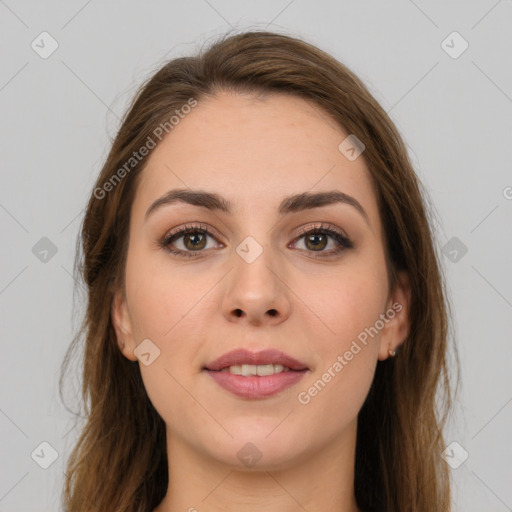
x,y
255,387
243,356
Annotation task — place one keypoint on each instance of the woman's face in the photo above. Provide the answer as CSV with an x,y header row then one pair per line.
x,y
257,281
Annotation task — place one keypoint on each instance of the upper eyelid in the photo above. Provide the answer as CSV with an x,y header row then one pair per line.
x,y
212,231
323,226
184,229
327,227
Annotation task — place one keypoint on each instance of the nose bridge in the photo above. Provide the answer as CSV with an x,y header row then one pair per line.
x,y
255,290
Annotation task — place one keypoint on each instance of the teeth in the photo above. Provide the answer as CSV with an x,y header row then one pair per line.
x,y
261,370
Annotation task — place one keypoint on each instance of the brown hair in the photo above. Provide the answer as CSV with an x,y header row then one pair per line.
x,y
120,461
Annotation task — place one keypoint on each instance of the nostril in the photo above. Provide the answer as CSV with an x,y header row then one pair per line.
x,y
272,312
238,312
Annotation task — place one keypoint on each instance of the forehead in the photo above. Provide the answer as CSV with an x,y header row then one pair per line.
x,y
254,150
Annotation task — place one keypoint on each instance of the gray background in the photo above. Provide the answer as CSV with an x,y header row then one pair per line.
x,y
59,113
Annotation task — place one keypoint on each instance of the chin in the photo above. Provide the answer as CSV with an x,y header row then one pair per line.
x,y
256,449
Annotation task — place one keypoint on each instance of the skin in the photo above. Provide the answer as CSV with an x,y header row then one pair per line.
x,y
254,151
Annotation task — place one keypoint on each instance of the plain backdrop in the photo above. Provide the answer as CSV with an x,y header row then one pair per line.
x,y
59,111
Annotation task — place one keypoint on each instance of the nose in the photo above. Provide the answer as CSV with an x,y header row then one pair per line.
x,y
256,293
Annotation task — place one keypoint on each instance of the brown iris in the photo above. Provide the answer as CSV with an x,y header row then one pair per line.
x,y
316,241
197,240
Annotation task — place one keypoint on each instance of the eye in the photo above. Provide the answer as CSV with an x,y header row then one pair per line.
x,y
187,241
322,237
192,240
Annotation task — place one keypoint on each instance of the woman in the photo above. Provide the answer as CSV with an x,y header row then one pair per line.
x,y
266,325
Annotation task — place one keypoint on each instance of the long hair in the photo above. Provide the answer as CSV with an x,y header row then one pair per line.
x,y
119,461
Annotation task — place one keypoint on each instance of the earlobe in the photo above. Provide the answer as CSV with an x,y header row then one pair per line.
x,y
397,328
122,325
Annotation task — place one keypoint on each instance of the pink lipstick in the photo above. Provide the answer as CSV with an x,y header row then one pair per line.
x,y
255,375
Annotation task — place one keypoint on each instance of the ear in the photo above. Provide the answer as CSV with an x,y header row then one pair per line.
x,y
123,325
397,327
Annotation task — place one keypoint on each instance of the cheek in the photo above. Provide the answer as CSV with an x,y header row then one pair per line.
x,y
164,309
342,305
346,306
168,307
161,297
346,354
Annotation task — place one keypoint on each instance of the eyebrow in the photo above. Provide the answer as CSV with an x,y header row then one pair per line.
x,y
290,204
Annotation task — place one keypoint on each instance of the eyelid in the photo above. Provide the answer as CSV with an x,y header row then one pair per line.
x,y
331,230
191,227
321,226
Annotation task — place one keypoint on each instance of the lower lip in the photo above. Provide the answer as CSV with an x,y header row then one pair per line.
x,y
255,386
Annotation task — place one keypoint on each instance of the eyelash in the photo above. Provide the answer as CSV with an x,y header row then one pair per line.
x,y
344,242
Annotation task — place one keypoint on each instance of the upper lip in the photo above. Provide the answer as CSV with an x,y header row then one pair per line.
x,y
243,356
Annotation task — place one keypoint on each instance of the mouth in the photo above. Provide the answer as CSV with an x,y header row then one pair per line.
x,y
254,375
242,360
261,370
